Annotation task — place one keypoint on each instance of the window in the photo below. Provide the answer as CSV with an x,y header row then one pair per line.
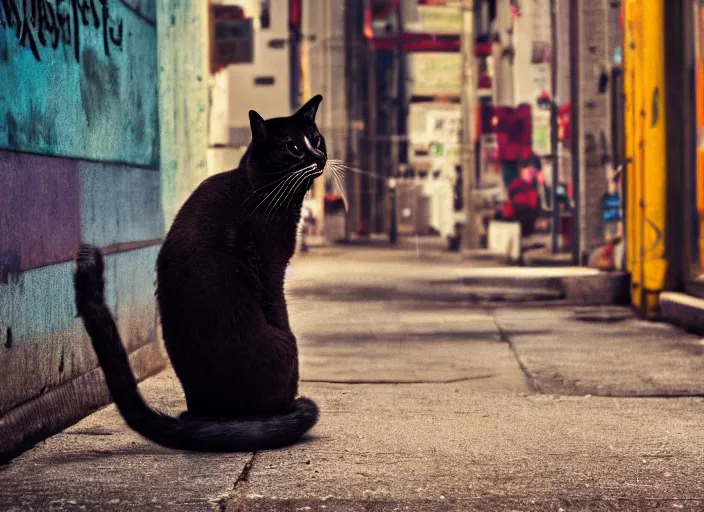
x,y
265,14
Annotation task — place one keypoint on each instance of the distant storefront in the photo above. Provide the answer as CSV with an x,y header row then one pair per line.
x,y
694,272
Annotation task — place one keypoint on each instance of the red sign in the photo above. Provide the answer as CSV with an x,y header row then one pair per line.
x,y
513,128
233,37
564,123
485,81
413,42
294,13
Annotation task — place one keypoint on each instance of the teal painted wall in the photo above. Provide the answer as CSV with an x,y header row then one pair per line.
x,y
79,83
119,204
183,99
101,140
49,345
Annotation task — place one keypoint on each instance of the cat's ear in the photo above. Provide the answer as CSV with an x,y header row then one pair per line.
x,y
309,110
256,122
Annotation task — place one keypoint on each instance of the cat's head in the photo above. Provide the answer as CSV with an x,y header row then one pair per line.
x,y
287,145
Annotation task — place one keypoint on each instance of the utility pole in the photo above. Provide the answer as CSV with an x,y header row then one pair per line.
x,y
397,121
392,120
469,102
504,83
354,25
577,149
366,198
401,88
555,231
294,30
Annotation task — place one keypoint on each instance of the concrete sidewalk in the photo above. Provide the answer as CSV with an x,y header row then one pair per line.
x,y
430,400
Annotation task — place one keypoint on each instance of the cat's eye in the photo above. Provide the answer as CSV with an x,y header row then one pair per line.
x,y
293,149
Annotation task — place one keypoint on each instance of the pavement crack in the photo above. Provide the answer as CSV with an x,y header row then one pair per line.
x,y
244,474
221,504
391,382
532,381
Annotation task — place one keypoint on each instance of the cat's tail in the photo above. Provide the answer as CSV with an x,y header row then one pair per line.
x,y
184,433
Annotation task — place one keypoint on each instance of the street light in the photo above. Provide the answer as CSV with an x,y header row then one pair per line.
x,y
468,97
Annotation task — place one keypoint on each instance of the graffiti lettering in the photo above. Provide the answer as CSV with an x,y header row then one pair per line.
x,y
46,23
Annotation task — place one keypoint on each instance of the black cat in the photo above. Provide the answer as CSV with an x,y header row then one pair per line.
x,y
220,277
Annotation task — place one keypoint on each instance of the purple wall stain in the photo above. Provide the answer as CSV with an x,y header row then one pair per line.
x,y
39,210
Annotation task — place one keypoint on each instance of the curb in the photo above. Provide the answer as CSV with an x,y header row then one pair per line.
x,y
61,407
683,310
595,289
605,288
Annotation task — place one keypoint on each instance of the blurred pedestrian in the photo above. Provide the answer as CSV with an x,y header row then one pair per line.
x,y
523,202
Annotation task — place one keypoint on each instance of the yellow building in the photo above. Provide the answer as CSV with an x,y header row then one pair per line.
x,y
646,173
664,102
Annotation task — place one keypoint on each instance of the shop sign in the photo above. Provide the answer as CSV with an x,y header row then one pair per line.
x,y
437,19
436,74
233,37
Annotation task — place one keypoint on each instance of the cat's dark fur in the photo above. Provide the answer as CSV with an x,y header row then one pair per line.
x,y
220,278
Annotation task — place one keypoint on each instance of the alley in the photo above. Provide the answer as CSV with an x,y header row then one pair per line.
x,y
497,283
429,401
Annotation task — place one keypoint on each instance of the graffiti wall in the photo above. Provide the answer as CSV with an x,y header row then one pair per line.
x,y
69,86
83,84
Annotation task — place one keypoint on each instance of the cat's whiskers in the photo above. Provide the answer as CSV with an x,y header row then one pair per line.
x,y
277,181
282,189
273,205
338,179
338,175
294,189
280,186
285,189
339,164
281,182
274,191
260,189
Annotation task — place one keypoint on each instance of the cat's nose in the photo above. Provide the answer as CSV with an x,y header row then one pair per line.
x,y
320,161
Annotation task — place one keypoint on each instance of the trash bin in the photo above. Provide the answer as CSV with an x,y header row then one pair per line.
x,y
335,218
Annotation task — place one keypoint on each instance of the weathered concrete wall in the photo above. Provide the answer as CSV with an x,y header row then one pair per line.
x,y
102,135
49,346
67,74
79,163
183,99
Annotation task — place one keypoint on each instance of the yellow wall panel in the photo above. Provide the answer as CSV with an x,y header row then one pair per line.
x,y
644,87
699,35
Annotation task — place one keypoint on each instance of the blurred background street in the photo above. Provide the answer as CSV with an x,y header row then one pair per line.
x,y
497,288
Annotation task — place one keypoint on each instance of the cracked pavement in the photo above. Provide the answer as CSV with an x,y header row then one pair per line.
x,y
430,400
